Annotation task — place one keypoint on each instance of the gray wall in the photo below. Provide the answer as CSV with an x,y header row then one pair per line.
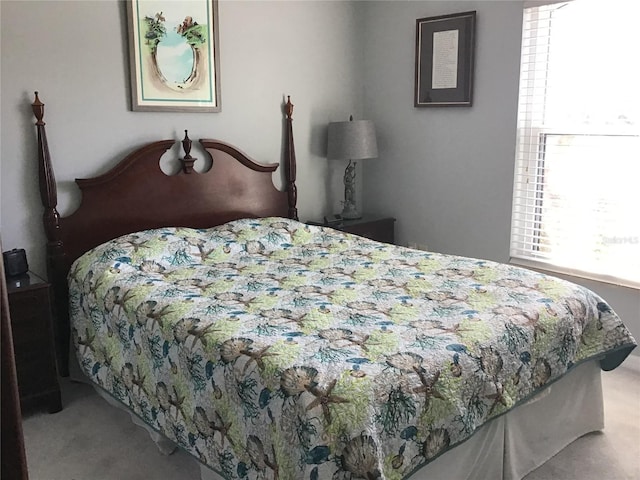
x,y
75,54
446,173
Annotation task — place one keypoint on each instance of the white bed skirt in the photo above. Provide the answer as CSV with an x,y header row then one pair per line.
x,y
517,443
508,447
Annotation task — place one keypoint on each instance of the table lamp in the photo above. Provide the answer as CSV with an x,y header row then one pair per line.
x,y
352,140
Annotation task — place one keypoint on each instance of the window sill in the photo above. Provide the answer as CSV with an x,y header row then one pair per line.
x,y
548,268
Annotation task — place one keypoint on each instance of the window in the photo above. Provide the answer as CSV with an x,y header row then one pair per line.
x,y
576,202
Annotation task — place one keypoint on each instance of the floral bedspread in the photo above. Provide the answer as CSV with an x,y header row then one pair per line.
x,y
272,349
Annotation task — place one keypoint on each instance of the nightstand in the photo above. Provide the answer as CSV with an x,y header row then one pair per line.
x,y
374,227
32,329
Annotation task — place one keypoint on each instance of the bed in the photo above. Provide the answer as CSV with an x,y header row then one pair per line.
x,y
268,348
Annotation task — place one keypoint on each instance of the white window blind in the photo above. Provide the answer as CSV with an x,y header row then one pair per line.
x,y
576,202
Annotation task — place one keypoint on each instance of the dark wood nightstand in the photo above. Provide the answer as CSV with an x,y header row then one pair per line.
x,y
374,227
32,329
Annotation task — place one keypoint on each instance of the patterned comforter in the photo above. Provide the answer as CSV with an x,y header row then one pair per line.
x,y
272,349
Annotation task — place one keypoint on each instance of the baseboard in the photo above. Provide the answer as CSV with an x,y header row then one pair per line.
x,y
632,362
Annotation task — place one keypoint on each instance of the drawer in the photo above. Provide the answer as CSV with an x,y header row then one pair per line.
x,y
381,230
24,302
36,374
27,348
33,328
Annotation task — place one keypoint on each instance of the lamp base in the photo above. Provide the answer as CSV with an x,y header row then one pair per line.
x,y
350,212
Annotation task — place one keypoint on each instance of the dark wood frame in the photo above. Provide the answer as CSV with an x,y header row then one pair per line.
x,y
14,459
136,195
424,94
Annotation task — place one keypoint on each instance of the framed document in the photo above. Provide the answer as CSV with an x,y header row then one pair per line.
x,y
444,60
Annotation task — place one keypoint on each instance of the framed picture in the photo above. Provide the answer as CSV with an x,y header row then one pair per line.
x,y
444,60
175,64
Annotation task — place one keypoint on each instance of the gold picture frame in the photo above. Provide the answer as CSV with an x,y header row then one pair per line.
x,y
174,55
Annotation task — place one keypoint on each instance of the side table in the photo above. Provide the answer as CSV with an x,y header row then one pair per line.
x,y
32,329
375,227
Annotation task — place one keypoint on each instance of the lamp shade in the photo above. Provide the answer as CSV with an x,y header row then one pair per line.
x,y
352,140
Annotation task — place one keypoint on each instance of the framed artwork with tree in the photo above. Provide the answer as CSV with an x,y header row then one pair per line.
x,y
174,55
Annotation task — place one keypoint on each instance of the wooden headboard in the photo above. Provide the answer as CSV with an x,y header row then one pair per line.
x,y
137,195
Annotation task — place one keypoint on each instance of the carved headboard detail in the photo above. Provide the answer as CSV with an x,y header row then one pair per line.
x,y
137,195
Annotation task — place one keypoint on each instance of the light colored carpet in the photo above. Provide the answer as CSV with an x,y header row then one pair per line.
x,y
90,440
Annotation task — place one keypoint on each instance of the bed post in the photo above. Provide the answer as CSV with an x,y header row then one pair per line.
x,y
56,258
290,163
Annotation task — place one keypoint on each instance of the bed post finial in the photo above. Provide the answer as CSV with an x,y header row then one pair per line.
x,y
188,160
48,191
57,267
289,107
290,163
38,109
